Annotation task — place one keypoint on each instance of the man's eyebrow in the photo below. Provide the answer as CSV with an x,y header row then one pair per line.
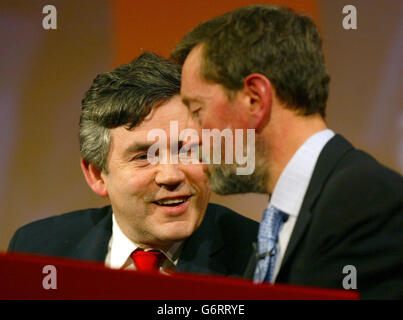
x,y
137,146
187,101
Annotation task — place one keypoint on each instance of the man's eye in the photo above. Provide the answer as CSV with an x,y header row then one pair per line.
x,y
142,156
195,112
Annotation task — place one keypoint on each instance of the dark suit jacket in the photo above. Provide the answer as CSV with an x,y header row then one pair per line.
x,y
352,214
221,245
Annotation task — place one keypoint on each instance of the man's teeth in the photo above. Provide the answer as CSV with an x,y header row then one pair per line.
x,y
170,201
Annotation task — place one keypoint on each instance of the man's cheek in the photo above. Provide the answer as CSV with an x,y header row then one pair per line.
x,y
139,184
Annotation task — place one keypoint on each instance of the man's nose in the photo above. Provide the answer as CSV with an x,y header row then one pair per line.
x,y
169,175
194,123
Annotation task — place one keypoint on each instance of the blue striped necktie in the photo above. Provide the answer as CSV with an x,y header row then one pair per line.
x,y
269,230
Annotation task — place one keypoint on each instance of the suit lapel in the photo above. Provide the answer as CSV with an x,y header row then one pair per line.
x,y
251,266
331,154
201,251
94,245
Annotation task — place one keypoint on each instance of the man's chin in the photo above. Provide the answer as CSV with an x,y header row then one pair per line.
x,y
176,231
224,180
221,178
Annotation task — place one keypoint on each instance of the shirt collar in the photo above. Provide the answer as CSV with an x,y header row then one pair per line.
x,y
121,247
292,185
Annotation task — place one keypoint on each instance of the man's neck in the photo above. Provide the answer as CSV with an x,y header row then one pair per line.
x,y
287,134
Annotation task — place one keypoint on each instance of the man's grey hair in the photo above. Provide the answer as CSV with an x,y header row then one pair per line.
x,y
123,97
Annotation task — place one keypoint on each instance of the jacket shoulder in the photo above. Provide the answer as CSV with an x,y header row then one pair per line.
x,y
360,179
238,230
45,234
234,234
228,218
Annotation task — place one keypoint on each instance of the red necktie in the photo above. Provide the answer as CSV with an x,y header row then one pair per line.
x,y
147,261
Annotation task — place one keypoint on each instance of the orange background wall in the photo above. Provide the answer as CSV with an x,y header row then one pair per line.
x,y
44,75
158,25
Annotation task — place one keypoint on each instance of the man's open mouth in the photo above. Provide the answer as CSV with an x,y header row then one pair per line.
x,y
172,202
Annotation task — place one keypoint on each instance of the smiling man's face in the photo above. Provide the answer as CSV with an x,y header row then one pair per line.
x,y
154,204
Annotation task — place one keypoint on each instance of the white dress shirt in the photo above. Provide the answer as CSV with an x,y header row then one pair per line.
x,y
292,185
120,248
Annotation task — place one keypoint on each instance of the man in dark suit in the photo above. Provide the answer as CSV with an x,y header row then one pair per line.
x,y
335,215
159,218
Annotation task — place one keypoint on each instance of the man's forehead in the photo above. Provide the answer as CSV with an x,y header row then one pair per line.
x,y
165,117
195,88
194,58
161,115
191,68
138,139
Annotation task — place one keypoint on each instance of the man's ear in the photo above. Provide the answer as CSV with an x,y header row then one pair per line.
x,y
259,91
94,178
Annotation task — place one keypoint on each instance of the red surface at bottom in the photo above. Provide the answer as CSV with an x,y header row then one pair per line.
x,y
22,277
